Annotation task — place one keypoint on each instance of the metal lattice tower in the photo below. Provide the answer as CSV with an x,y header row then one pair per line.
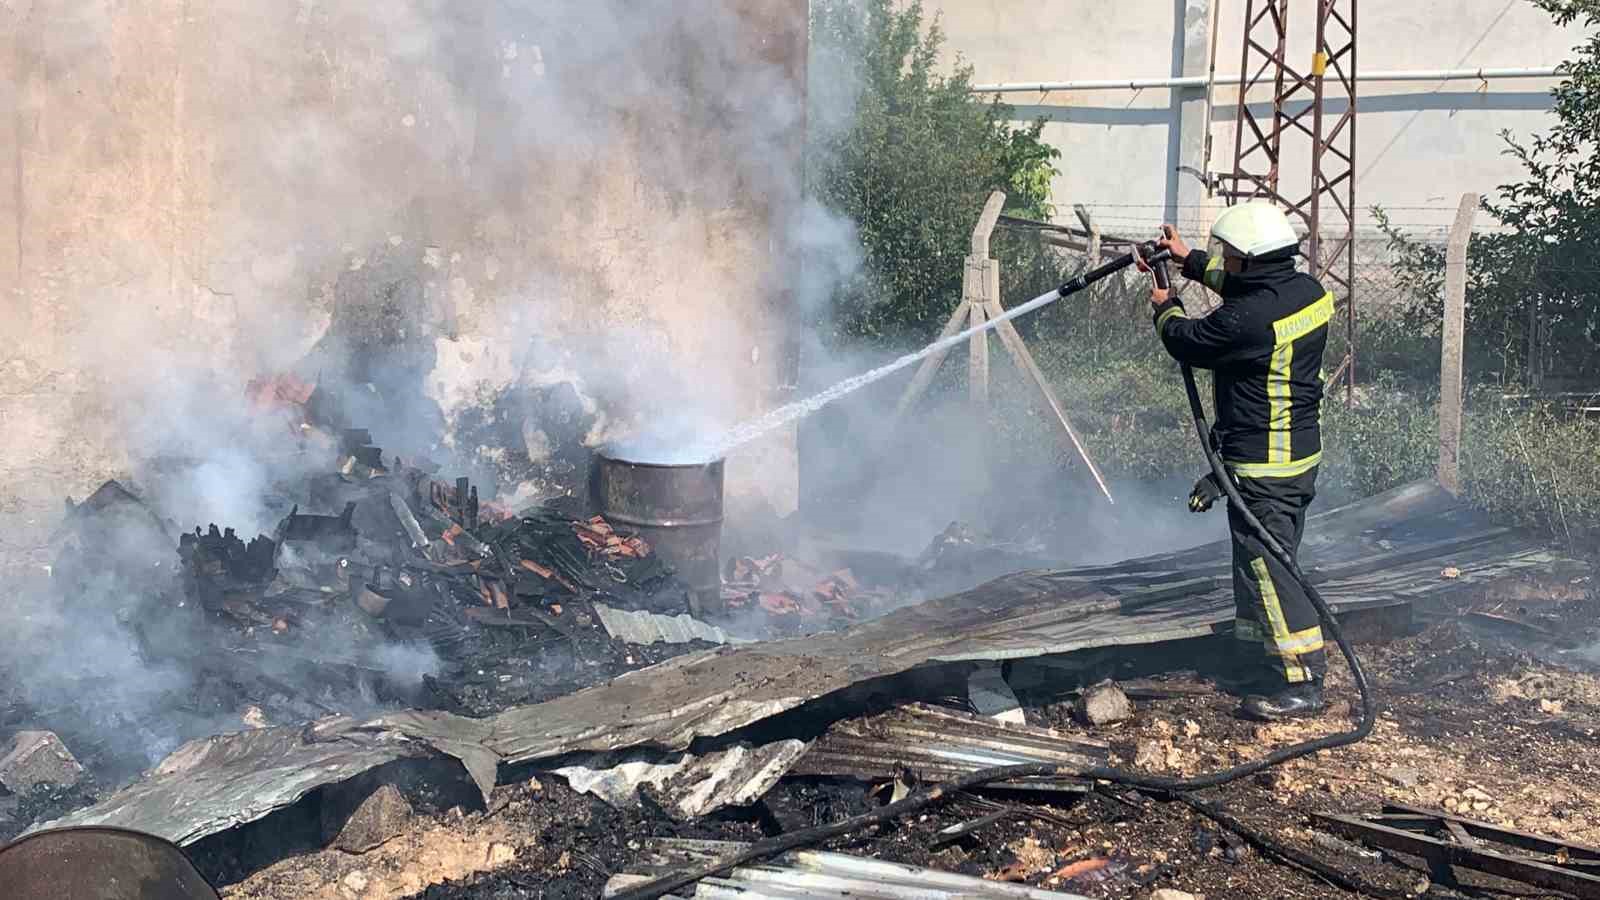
x,y
1300,109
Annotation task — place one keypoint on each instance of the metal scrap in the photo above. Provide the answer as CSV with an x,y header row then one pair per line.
x,y
641,627
1447,841
809,873
714,692
938,744
217,783
692,786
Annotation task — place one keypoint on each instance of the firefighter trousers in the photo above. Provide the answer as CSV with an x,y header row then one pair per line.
x,y
1279,629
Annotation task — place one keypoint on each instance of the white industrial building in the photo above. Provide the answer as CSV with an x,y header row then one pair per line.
x,y
1429,127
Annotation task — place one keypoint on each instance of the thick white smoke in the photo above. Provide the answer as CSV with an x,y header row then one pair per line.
x,y
422,207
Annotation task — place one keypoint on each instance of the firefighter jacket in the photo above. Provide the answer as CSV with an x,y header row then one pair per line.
x,y
1264,345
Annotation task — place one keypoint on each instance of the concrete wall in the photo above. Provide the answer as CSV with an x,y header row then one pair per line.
x,y
1420,145
183,181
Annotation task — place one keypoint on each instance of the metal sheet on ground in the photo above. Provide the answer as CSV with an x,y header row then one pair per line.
x,y
811,873
712,693
937,743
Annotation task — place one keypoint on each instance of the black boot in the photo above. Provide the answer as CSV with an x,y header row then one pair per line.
x,y
1294,701
1244,682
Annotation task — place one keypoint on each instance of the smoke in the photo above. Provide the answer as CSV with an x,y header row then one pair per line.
x,y
415,205
429,210
422,208
890,481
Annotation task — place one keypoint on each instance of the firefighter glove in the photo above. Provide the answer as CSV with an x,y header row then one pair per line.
x,y
1206,492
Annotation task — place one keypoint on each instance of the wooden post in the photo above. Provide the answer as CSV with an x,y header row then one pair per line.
x,y
979,274
924,375
1535,346
980,302
975,289
1450,374
974,285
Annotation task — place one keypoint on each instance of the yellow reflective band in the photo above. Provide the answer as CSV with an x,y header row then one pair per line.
x,y
1308,319
1214,274
1276,470
1307,641
1269,599
1285,644
1278,404
1174,312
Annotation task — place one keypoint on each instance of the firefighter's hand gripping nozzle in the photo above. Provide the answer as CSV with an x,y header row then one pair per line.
x,y
1148,252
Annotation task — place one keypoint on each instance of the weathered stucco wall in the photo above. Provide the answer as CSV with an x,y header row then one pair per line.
x,y
181,184
1420,145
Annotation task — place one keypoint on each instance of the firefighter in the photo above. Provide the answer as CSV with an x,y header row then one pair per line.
x,y
1264,346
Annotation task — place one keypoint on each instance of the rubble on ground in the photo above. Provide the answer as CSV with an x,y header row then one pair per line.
x,y
38,759
1103,704
537,622
378,817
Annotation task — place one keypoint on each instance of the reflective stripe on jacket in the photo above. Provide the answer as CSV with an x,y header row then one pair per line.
x,y
1265,345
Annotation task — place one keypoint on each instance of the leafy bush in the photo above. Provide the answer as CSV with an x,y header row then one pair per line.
x,y
1545,262
1388,438
913,167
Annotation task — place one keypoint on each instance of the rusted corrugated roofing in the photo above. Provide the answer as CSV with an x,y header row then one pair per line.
x,y
216,783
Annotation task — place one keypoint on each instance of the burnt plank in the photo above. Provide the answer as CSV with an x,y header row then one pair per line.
x,y
1443,853
1460,834
1487,831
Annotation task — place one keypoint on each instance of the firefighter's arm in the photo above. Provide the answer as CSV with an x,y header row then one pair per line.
x,y
1198,264
1206,343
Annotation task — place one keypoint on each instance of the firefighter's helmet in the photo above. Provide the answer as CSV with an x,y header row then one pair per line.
x,y
1253,230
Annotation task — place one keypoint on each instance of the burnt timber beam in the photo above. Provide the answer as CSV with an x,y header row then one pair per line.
x,y
1446,853
1486,831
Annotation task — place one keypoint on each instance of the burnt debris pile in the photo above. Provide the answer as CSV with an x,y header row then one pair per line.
x,y
499,605
385,586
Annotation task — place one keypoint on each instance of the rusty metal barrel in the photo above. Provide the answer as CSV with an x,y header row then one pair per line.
x,y
675,508
98,863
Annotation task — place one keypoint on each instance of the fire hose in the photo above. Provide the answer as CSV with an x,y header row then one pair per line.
x,y
1157,261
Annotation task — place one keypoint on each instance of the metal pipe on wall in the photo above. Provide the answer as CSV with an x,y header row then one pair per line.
x,y
1211,84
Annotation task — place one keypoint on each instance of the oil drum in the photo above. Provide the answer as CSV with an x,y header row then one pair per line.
x,y
98,863
675,508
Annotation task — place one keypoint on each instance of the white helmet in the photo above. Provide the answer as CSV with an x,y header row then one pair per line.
x,y
1253,229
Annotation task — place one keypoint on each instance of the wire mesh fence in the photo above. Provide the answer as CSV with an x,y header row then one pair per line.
x,y
1533,322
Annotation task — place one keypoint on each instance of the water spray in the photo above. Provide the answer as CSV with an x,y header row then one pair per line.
x,y
799,409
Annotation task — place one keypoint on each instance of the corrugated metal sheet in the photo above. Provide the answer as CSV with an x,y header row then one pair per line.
x,y
815,874
216,783
693,785
640,627
939,744
1387,550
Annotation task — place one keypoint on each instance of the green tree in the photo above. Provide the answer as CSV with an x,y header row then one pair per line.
x,y
911,165
1544,264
